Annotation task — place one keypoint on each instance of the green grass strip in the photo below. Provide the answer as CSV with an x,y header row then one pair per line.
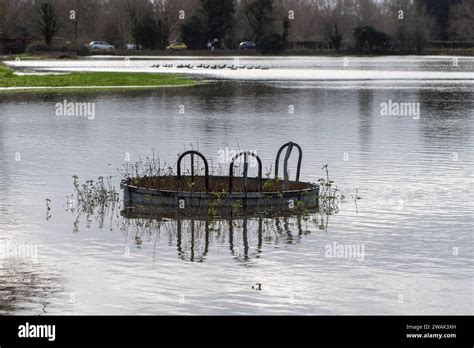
x,y
97,79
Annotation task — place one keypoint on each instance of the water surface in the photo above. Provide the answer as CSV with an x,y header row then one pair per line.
x,y
414,176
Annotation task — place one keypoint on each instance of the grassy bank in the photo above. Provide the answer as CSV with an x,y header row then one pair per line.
x,y
39,56
98,80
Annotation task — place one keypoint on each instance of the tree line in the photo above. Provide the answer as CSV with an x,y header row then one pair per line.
x,y
371,25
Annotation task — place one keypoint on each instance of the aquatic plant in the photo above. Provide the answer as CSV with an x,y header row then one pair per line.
x,y
329,195
93,195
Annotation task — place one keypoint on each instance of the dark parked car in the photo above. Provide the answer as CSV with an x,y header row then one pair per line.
x,y
247,45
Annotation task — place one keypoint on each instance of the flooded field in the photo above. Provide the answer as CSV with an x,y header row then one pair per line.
x,y
402,69
412,171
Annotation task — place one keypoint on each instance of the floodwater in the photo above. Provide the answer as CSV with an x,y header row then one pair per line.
x,y
412,226
401,69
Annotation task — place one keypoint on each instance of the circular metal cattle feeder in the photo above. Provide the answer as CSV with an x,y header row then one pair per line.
x,y
217,195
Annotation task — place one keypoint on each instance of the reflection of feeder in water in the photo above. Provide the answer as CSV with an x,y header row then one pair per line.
x,y
244,237
209,194
192,241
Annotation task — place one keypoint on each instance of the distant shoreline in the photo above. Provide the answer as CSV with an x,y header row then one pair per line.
x,y
460,52
323,53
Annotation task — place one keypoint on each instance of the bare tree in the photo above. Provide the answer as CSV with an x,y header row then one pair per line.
x,y
366,12
15,17
168,15
461,20
261,16
408,23
310,20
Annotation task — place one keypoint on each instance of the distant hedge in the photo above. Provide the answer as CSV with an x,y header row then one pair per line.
x,y
271,44
50,49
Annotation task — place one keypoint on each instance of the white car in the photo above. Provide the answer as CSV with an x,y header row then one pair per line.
x,y
100,45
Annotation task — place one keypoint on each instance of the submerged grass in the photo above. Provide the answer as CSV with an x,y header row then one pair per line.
x,y
98,80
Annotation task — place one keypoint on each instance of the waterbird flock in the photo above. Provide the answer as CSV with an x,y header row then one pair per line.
x,y
214,66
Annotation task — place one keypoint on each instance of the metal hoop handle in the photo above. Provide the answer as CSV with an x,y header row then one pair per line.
x,y
246,154
289,146
206,166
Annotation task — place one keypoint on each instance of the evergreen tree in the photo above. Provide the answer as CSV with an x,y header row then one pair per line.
x,y
286,31
48,22
261,17
440,10
194,32
219,17
336,39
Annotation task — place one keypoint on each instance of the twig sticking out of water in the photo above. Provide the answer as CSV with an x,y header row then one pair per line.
x,y
48,209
